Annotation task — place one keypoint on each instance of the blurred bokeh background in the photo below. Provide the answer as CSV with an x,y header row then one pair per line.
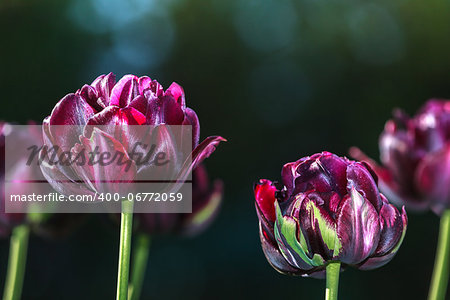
x,y
280,79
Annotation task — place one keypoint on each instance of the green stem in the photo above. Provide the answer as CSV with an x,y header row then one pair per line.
x,y
140,258
333,269
126,224
439,280
16,264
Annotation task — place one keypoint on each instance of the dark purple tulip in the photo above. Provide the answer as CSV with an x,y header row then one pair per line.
x,y
415,156
206,201
327,208
130,101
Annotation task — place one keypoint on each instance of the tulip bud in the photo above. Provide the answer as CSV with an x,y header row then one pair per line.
x,y
415,156
326,208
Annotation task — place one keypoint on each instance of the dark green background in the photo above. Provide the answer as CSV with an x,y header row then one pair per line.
x,y
279,79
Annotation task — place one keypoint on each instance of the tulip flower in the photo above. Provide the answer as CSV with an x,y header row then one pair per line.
x,y
325,214
111,107
415,171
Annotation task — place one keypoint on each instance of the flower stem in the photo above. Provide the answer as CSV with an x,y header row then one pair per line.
x,y
16,264
126,224
140,258
439,280
333,269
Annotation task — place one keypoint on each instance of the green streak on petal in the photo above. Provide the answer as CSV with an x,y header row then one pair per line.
x,y
205,213
287,227
327,230
337,246
303,242
318,260
400,241
302,238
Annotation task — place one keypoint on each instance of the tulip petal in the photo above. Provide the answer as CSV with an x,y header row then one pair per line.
x,y
113,115
176,91
131,116
70,110
200,182
266,225
358,228
104,85
433,178
376,262
125,90
192,119
139,103
387,184
335,169
292,249
130,134
405,225
392,229
264,192
156,89
164,109
116,122
323,172
319,229
396,149
144,83
61,183
52,151
204,214
115,174
288,175
389,242
165,141
90,95
205,149
275,258
381,173
200,153
360,178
